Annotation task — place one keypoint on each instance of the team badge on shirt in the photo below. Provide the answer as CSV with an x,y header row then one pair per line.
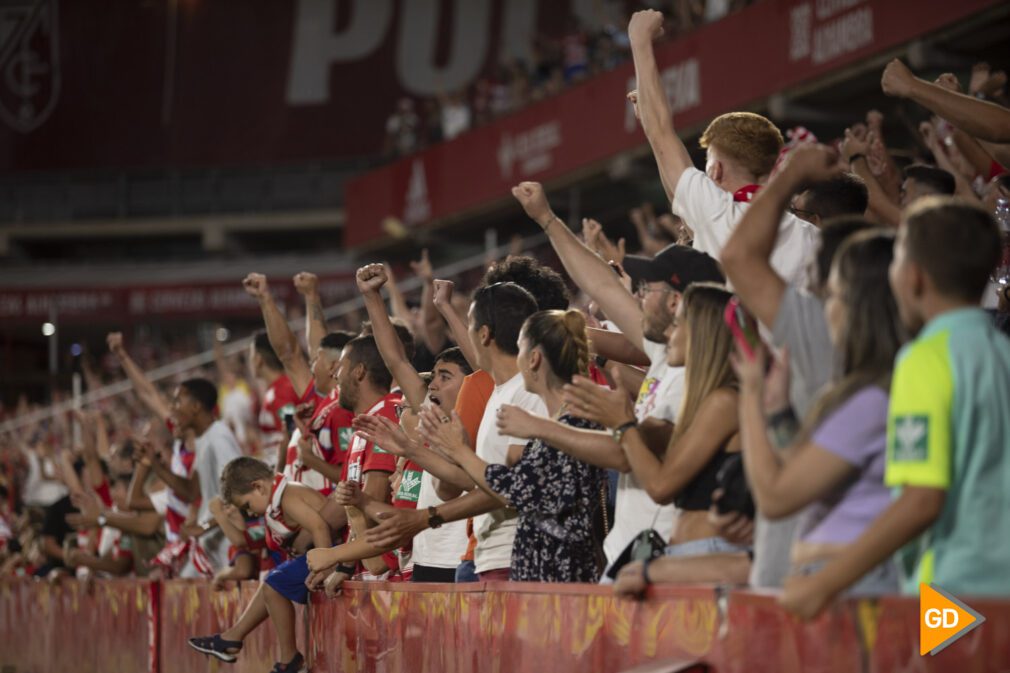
x,y
911,439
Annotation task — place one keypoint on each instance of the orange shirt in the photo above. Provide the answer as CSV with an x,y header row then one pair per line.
x,y
473,396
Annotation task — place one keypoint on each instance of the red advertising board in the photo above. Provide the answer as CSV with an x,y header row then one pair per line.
x,y
757,52
150,302
478,628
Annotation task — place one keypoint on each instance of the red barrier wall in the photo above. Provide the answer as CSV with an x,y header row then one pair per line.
x,y
75,627
484,627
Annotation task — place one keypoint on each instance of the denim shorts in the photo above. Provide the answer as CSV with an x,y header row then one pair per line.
x,y
704,547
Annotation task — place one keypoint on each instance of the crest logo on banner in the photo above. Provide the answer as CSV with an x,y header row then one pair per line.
x,y
29,62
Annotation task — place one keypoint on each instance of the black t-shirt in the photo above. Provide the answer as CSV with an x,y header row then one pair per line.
x,y
55,523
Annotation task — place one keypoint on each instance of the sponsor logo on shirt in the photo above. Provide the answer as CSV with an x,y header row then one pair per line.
x,y
345,435
410,486
911,439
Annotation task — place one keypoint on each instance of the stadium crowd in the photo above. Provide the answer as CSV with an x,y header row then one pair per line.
x,y
793,386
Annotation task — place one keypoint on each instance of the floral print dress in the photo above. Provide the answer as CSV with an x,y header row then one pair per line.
x,y
558,498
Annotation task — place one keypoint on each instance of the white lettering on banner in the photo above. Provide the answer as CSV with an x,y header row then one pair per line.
x,y
419,37
844,35
532,149
828,41
800,19
829,8
176,300
315,47
67,302
418,208
11,305
682,85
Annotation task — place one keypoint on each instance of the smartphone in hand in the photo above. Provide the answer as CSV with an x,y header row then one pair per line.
x,y
743,326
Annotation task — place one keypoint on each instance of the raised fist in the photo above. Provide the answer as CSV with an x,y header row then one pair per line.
x,y
534,201
443,292
897,79
255,285
645,26
371,278
306,283
115,342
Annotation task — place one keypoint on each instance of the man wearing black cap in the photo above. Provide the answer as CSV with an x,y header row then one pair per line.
x,y
646,321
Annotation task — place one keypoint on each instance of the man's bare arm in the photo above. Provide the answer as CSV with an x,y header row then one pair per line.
x,y
651,106
979,118
307,285
589,271
282,339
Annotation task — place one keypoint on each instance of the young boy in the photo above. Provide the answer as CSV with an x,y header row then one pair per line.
x,y
297,517
948,426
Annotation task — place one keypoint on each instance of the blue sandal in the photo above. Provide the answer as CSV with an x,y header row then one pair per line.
x,y
215,646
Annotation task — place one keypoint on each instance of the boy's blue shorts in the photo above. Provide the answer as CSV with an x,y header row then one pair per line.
x,y
288,579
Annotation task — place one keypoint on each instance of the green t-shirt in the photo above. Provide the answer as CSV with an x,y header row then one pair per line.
x,y
949,428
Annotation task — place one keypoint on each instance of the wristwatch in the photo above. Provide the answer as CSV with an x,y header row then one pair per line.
x,y
434,518
102,521
620,430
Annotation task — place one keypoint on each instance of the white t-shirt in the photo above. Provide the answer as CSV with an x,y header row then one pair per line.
x,y
712,214
215,448
496,530
440,547
634,511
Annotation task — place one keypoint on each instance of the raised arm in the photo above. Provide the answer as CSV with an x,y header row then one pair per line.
x,y
746,258
397,304
370,280
617,347
780,488
979,118
145,390
589,271
651,106
307,285
433,330
282,339
457,325
855,150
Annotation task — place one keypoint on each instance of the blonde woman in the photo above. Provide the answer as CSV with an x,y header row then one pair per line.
x,y
707,428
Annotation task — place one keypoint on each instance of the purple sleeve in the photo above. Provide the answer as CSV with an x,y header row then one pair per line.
x,y
857,430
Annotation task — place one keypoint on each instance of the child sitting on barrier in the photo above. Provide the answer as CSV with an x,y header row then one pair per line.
x,y
297,517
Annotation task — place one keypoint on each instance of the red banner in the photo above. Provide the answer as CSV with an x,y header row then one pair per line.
x,y
482,627
223,299
191,608
71,626
93,83
748,56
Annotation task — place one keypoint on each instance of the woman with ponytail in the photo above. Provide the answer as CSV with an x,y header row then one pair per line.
x,y
558,498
